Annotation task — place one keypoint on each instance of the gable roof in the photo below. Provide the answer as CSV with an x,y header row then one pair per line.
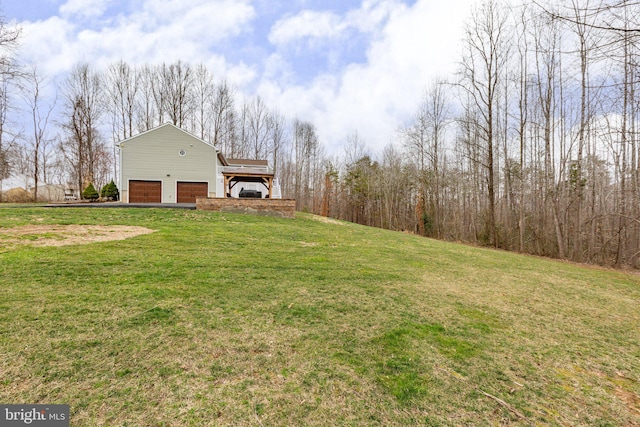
x,y
163,126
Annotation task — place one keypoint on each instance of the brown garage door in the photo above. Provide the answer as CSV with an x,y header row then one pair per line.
x,y
145,191
188,191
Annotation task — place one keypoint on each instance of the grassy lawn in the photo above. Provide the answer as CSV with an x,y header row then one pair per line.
x,y
220,319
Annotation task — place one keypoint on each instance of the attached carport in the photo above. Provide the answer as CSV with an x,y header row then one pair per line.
x,y
233,177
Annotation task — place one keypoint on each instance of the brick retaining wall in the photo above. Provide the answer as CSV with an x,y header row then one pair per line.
x,y
285,208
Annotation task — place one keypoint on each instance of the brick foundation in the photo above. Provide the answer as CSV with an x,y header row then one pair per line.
x,y
285,208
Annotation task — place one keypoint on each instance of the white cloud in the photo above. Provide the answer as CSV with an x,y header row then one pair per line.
x,y
415,45
310,24
306,24
159,31
46,43
85,8
372,14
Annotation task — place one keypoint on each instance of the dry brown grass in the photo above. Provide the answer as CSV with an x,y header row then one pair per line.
x,y
16,195
63,235
326,220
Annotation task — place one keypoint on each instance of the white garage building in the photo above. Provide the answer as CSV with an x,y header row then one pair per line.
x,y
169,165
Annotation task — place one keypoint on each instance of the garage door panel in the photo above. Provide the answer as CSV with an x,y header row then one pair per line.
x,y
189,191
145,191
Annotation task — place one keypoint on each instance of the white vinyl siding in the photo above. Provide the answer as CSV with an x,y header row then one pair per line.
x,y
155,155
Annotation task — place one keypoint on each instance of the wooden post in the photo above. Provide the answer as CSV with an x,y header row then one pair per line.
x,y
227,190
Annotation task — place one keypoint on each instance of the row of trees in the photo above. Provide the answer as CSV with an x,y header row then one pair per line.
x,y
533,146
548,128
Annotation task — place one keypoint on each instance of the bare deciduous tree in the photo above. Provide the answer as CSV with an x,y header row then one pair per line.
x,y
258,124
121,90
423,140
146,101
8,72
486,53
83,147
39,109
223,116
277,138
177,84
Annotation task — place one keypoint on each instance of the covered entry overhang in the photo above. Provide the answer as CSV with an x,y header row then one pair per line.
x,y
232,178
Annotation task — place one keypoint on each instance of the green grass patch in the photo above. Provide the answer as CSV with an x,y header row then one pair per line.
x,y
221,319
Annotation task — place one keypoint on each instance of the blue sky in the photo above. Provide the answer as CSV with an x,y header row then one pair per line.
x,y
344,65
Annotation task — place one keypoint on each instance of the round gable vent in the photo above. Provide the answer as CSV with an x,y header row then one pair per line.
x,y
182,153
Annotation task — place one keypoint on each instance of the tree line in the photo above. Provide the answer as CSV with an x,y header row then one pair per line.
x,y
532,146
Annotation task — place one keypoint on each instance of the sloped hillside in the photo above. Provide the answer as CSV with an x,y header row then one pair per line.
x,y
217,319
